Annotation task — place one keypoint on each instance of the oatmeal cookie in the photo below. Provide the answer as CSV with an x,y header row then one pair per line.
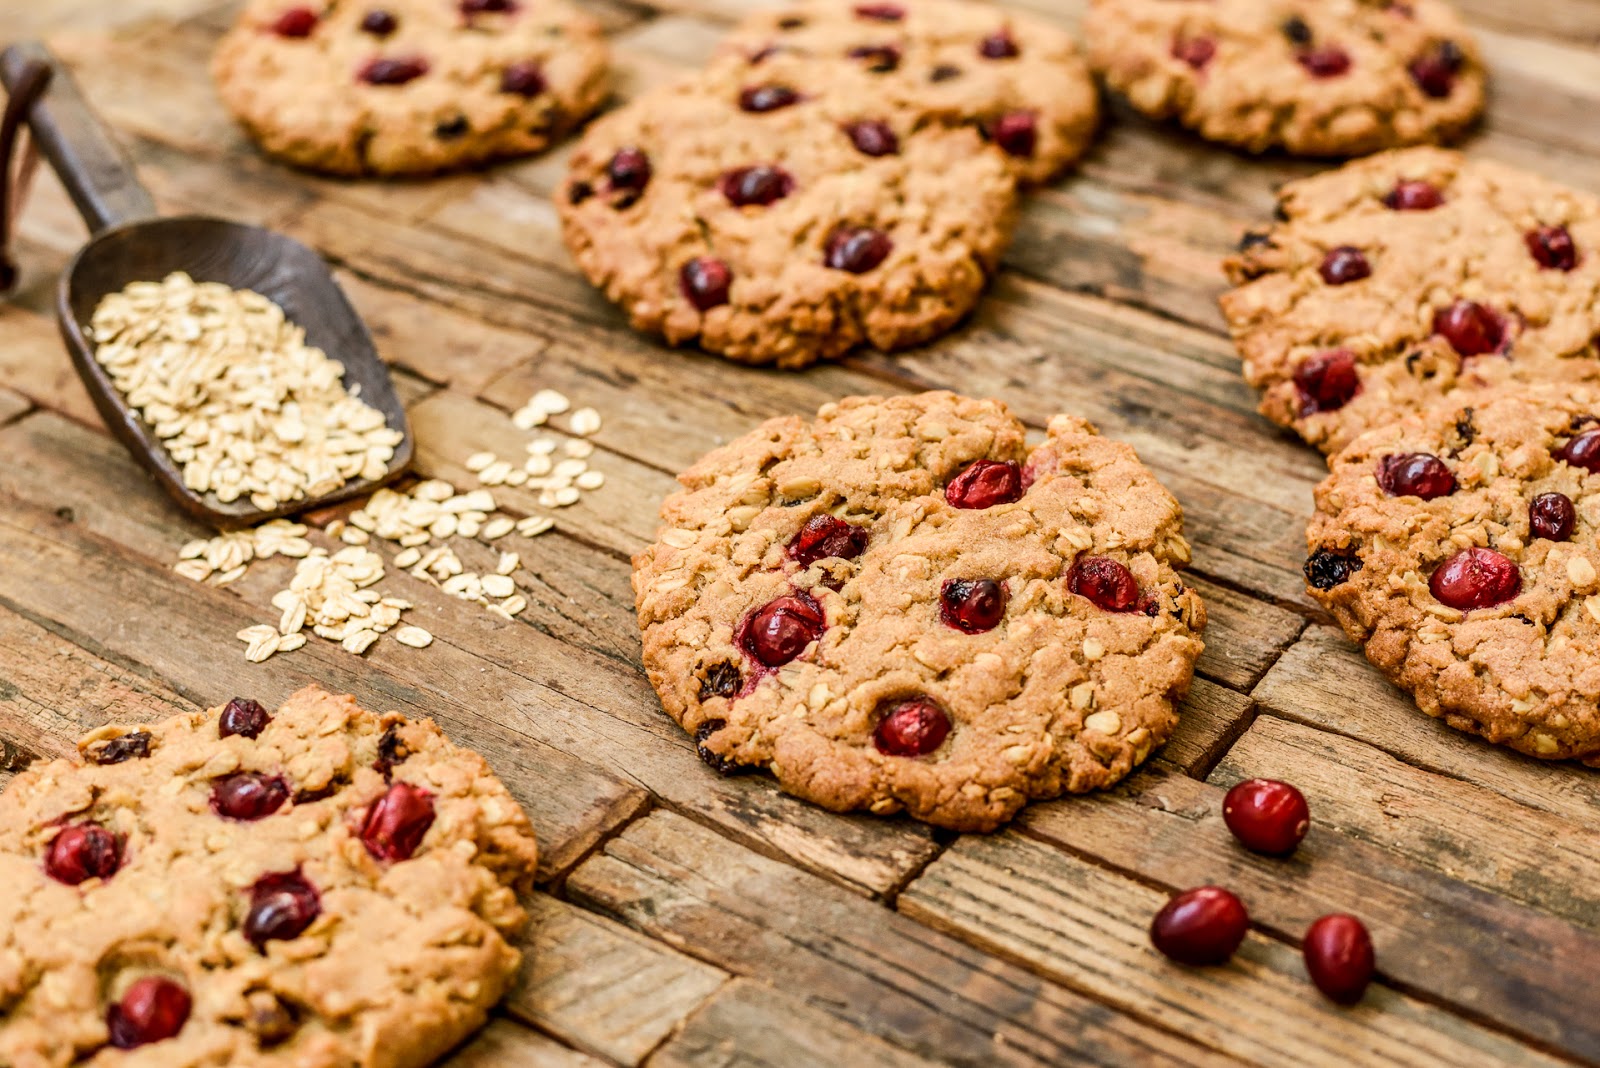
x,y
410,87
902,607
1331,78
1396,279
1459,548
1019,80
317,887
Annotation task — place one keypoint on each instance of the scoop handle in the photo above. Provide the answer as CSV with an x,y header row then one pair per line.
x,y
96,171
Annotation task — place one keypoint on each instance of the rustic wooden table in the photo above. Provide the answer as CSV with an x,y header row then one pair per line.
x,y
687,919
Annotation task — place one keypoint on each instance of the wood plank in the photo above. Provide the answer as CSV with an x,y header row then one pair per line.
x,y
840,954
596,985
33,364
507,1044
12,405
750,1025
1086,927
1323,681
1209,720
595,707
1507,965
1454,827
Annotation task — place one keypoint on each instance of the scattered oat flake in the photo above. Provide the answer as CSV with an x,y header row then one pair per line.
x,y
498,586
591,480
478,461
550,402
578,448
534,525
585,421
497,528
415,637
513,606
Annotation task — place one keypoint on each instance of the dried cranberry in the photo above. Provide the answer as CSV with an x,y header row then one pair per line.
x,y
1201,926
1297,30
1267,816
379,23
282,906
984,484
763,98
1582,450
1553,247
1197,52
873,138
912,728
479,7
706,282
243,717
248,795
295,22
720,680
1476,578
1435,72
756,186
153,1008
713,759
1328,61
1416,474
880,59
881,12
944,72
134,746
972,605
1471,328
1105,582
780,630
1339,957
394,71
579,192
1327,381
397,821
523,78
450,129
1343,265
999,45
82,851
825,536
629,170
1017,133
1414,196
1552,516
857,249
1326,569
392,752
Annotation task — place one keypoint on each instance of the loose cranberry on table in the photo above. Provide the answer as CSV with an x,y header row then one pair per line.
x,y
379,23
282,906
153,1008
1435,72
295,22
243,717
764,98
524,78
1344,265
912,728
248,795
397,822
984,484
827,536
780,630
706,282
999,45
1267,816
1327,381
1471,328
394,71
1201,926
1553,247
1416,474
857,249
1197,52
756,186
1104,581
1017,133
1582,450
81,852
972,605
1328,61
873,138
1552,516
1476,578
1414,196
1339,957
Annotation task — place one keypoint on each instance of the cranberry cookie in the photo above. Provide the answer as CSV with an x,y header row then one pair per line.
x,y
1459,548
901,607
1020,81
410,87
1329,78
320,887
1396,279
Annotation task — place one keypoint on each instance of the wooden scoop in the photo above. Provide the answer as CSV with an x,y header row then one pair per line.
x,y
131,244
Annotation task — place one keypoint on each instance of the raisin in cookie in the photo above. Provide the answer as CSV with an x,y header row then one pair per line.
x,y
1459,548
318,887
1331,78
1401,277
409,87
900,606
1020,81
771,235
